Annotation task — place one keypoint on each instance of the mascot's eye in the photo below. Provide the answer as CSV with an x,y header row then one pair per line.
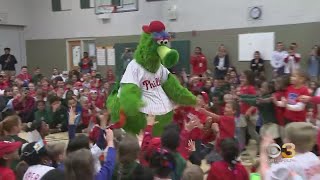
x,y
160,42
165,42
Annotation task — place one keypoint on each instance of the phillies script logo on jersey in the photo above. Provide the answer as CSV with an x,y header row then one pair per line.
x,y
151,84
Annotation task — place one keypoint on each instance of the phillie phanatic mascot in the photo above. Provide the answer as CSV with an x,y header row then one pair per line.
x,y
147,87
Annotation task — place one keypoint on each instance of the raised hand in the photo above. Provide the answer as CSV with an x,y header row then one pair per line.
x,y
191,146
109,137
151,120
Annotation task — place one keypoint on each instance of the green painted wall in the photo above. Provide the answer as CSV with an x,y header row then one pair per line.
x,y
46,54
50,53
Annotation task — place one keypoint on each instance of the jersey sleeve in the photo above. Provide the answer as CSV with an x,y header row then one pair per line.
x,y
131,75
164,74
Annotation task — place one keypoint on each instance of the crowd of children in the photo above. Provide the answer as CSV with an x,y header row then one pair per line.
x,y
233,109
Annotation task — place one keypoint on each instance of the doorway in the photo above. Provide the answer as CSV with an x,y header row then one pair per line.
x,y
74,54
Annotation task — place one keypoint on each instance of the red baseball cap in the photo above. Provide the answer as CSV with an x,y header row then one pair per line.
x,y
154,26
8,147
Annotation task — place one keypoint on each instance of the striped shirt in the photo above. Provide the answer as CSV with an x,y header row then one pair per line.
x,y
155,99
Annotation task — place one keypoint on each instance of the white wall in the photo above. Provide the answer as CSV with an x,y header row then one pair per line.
x,y
46,24
12,37
16,10
217,14
192,15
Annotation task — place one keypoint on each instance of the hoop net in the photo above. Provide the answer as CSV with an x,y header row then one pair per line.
x,y
106,9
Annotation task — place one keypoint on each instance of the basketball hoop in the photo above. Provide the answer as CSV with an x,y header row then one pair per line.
x,y
106,9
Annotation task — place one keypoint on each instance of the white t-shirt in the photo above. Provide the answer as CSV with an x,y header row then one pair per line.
x,y
277,59
155,99
291,65
221,63
36,172
306,165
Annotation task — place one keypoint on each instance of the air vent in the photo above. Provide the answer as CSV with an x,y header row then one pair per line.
x,y
3,18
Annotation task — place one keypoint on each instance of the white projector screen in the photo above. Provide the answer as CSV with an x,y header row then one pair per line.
x,y
249,43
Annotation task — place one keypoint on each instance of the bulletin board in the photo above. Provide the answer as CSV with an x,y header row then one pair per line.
x,y
249,43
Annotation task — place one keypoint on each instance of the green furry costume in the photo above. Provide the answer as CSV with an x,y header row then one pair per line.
x,y
152,55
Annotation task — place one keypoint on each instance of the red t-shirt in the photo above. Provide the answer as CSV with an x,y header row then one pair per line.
x,y
6,174
220,171
227,128
197,133
85,63
199,64
85,117
24,77
279,110
3,85
248,90
292,95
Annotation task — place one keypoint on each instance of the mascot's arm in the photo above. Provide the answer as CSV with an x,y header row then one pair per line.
x,y
178,93
130,99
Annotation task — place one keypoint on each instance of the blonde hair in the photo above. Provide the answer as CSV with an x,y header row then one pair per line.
x,y
192,172
128,149
8,123
78,165
302,135
56,149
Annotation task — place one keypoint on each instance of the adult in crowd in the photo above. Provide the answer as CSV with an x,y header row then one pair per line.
x,y
257,64
8,62
292,61
313,63
85,64
277,59
126,57
198,62
221,62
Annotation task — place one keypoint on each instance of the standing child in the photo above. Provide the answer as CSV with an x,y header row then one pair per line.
x,y
248,114
266,109
295,110
280,85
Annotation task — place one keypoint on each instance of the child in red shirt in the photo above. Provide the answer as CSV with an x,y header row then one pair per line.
x,y
248,114
295,110
228,168
281,84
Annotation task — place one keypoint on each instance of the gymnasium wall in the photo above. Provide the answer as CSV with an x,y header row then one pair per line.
x,y
16,11
192,15
52,53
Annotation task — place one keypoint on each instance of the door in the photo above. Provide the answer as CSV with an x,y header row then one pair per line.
x,y
183,47
119,50
74,54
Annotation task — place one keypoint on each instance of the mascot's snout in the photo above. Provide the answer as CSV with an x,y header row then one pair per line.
x,y
169,57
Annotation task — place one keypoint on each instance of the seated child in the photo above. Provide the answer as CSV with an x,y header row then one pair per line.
x,y
8,154
302,135
228,168
41,114
163,164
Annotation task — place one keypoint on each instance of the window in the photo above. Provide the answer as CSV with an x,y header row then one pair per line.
x,y
86,4
61,5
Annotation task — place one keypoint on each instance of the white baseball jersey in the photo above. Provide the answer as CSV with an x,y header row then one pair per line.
x,y
155,99
36,172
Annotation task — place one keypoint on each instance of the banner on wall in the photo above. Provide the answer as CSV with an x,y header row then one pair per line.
x,y
249,43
